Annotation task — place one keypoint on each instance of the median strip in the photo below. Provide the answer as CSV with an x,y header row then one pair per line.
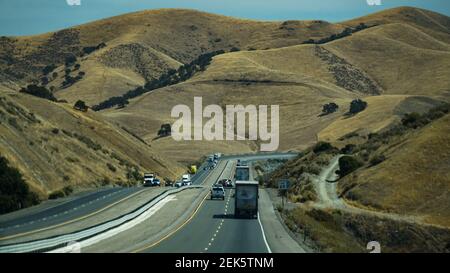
x,y
60,241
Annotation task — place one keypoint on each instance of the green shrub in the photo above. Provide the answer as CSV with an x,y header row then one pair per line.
x,y
13,122
38,91
377,160
111,167
329,108
348,149
357,106
80,106
14,191
89,142
322,147
49,68
56,194
165,130
67,190
348,164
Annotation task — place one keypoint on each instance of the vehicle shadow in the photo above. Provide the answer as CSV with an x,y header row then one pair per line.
x,y
230,216
224,216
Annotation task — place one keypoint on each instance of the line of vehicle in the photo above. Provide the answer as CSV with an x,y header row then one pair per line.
x,y
171,233
59,241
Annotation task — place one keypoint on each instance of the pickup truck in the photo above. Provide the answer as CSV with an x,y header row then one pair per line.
x,y
217,192
246,199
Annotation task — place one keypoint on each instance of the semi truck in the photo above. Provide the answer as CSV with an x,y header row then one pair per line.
x,y
242,173
246,199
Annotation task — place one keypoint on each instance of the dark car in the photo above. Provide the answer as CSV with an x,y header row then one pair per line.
x,y
228,183
222,182
156,182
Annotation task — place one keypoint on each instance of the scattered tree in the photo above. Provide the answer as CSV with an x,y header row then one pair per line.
x,y
48,69
38,91
322,147
70,60
348,164
329,108
14,191
80,106
357,106
166,130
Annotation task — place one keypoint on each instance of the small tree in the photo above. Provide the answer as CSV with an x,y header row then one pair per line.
x,y
49,68
322,147
357,106
329,108
80,106
38,91
44,80
348,164
70,60
166,130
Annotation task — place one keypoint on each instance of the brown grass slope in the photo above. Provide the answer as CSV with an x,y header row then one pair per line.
x,y
55,146
413,180
142,45
301,79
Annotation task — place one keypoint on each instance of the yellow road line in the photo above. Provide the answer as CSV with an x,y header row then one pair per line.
x,y
173,231
184,223
69,222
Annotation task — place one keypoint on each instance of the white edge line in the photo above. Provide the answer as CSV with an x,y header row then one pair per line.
x,y
264,235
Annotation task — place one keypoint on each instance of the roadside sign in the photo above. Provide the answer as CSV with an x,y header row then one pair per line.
x,y
283,184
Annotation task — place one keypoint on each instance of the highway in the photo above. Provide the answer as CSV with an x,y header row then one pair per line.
x,y
214,229
65,212
72,210
211,227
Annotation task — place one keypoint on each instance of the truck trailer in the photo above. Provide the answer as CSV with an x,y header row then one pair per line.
x,y
246,199
242,173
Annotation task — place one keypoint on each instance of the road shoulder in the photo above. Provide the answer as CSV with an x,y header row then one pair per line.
x,y
276,234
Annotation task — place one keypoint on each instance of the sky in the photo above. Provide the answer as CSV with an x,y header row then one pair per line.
x,y
27,17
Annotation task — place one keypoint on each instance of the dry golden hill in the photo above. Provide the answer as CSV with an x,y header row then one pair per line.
x,y
55,146
120,53
140,46
402,56
413,180
301,78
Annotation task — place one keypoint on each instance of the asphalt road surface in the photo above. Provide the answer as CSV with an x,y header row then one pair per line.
x,y
65,212
214,229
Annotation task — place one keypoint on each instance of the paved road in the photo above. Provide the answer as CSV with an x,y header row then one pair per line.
x,y
214,229
209,231
69,211
64,212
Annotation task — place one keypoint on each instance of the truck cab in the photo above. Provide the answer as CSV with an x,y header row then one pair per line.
x,y
186,180
148,179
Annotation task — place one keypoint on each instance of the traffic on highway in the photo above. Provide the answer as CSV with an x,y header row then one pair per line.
x,y
215,209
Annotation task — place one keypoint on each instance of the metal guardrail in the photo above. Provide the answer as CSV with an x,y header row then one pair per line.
x,y
59,241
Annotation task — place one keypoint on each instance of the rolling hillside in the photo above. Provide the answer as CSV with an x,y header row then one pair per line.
x,y
55,146
397,60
